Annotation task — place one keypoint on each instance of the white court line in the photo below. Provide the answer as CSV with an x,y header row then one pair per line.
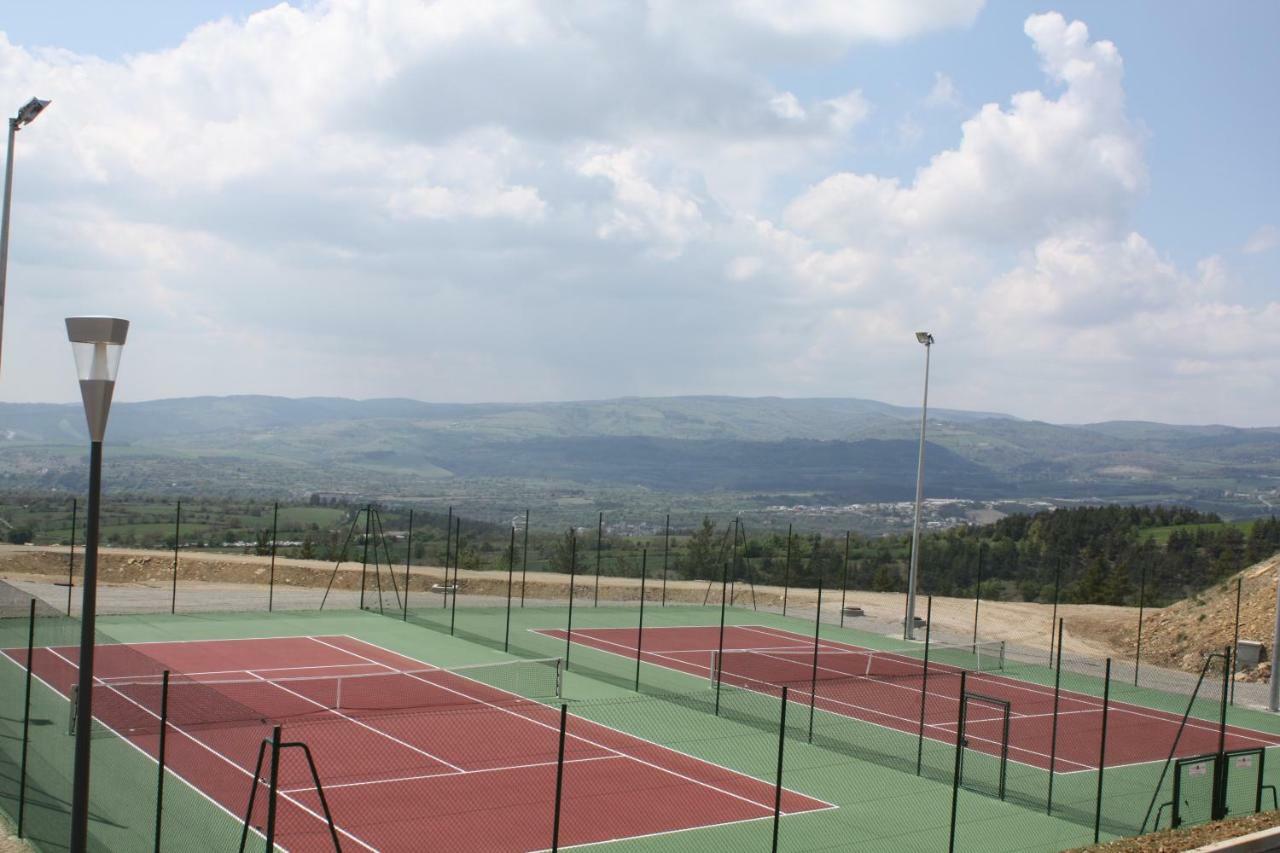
x,y
1092,702
213,751
422,776
359,723
585,740
237,819
132,679
873,711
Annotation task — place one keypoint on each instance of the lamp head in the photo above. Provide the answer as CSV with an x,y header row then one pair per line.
x,y
96,343
28,112
924,338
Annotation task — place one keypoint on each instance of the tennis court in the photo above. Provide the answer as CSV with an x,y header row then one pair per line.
x,y
884,688
476,761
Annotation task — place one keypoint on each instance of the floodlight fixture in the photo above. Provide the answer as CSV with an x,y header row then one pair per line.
x,y
924,338
27,112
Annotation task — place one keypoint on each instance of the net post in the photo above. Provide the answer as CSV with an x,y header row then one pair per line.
x,y
786,573
717,664
555,826
71,556
924,682
408,560
573,570
813,676
1142,602
254,780
844,578
524,559
160,755
448,553
1053,738
1102,753
273,790
177,531
1235,642
26,718
599,546
457,563
644,572
955,772
271,578
1057,585
666,548
511,576
777,790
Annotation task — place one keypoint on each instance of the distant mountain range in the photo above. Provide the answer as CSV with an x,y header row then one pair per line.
x,y
819,450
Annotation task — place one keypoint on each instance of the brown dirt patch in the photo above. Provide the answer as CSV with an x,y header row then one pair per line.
x,y
1174,840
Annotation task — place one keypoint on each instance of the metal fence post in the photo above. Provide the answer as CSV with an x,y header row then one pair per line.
x,y
977,595
717,665
524,559
813,677
844,578
1102,753
777,791
573,570
644,573
273,790
408,560
786,573
271,578
457,563
26,718
666,547
160,749
1142,602
71,557
1057,585
511,576
924,682
1053,738
599,546
555,827
1235,642
955,773
177,532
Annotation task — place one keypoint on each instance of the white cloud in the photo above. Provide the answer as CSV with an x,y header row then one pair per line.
x,y
1266,238
368,197
1044,164
943,93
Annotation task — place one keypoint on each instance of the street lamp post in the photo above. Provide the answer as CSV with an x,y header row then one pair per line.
x,y
96,342
25,116
909,624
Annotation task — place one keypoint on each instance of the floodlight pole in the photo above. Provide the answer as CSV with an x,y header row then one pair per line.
x,y
25,116
96,342
909,623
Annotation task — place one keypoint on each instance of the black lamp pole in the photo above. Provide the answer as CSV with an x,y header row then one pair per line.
x,y
84,688
96,343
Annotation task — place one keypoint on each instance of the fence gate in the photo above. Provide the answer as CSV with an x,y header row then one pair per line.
x,y
984,732
1242,785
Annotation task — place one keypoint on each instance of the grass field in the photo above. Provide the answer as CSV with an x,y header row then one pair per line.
x,y
867,771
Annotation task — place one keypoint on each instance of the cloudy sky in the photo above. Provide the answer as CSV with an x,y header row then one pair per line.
x,y
466,200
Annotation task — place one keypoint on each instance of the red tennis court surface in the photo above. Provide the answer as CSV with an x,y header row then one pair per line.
x,y
478,776
1135,734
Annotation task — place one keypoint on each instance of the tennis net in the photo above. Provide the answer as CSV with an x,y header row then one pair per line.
x,y
132,705
797,665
